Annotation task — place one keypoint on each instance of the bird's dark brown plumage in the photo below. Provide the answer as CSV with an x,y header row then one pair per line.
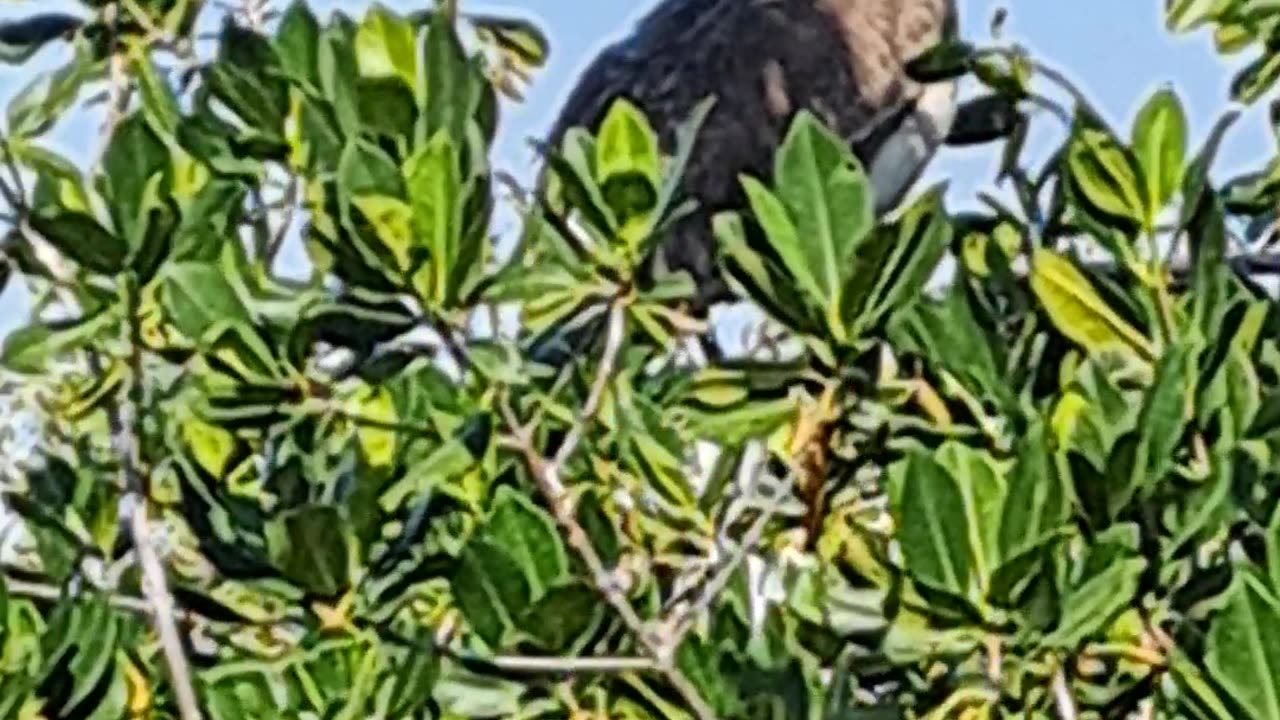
x,y
762,60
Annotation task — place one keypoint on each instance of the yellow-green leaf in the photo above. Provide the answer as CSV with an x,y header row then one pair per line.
x,y
210,445
376,413
1105,174
1078,311
392,221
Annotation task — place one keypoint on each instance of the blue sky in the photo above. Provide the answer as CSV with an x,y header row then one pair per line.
x,y
1117,50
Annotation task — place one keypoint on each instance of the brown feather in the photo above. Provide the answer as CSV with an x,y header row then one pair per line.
x,y
763,60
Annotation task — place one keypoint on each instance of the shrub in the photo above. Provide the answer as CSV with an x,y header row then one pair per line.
x,y
1047,489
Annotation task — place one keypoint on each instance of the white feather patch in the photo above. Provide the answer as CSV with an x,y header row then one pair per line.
x,y
904,154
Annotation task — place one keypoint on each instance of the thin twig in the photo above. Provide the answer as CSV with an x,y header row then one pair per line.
x,y
125,603
547,475
1062,695
573,665
612,348
122,417
682,623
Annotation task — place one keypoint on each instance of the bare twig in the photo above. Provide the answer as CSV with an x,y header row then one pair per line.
x,y
1062,695
682,622
118,86
612,348
53,593
122,417
572,665
547,475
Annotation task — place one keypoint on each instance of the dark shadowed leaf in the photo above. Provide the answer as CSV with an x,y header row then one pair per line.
x,y
1163,417
519,37
559,617
83,239
297,44
312,546
491,589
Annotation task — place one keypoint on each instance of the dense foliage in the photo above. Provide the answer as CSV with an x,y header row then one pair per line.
x,y
1046,490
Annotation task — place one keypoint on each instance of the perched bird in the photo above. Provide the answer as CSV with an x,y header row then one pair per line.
x,y
763,61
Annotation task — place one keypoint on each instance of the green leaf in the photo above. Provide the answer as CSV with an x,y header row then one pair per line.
x,y
133,161
933,523
829,199
197,295
516,36
1184,15
1256,79
392,220
1038,501
83,239
1243,652
628,165
297,44
783,235
29,349
386,46
435,192
893,266
561,615
312,547
1273,549
159,103
42,102
1163,418
947,333
465,694
491,589
529,536
1160,144
367,169
445,91
760,278
340,75
1106,175
1090,606
1078,311
4,610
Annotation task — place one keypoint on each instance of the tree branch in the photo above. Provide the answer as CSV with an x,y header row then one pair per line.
x,y
547,475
